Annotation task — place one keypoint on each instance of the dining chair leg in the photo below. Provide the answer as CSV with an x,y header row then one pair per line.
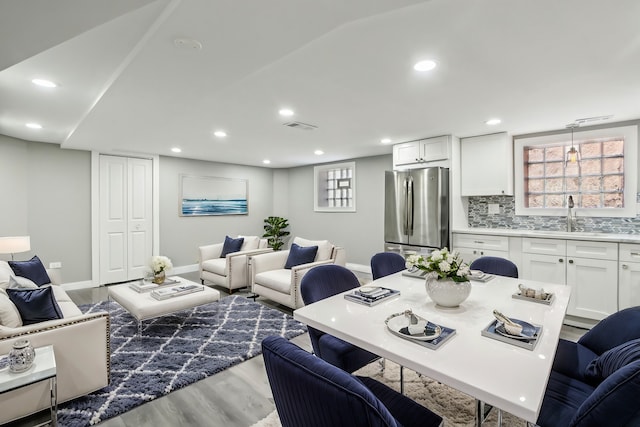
x,y
401,379
482,412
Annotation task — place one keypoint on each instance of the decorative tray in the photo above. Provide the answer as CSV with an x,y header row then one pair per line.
x,y
423,332
370,295
528,339
479,276
418,274
548,298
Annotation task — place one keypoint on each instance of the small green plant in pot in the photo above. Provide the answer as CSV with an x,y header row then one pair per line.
x,y
274,231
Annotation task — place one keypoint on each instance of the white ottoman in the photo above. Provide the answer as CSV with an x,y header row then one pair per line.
x,y
143,306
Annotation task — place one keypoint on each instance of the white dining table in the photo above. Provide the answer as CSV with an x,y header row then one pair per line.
x,y
503,375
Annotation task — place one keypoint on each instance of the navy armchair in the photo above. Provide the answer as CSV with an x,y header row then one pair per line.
x,y
310,392
322,282
596,381
386,263
495,265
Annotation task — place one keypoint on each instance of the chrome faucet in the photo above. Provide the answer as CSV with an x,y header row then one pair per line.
x,y
569,215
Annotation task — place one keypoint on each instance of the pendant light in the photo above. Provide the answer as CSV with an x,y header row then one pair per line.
x,y
573,155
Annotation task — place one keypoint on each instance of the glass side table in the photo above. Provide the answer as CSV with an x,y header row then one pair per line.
x,y
43,368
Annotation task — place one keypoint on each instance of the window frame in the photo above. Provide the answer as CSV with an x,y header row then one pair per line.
x,y
630,135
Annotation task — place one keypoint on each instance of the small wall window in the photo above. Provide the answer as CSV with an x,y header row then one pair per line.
x,y
602,180
335,187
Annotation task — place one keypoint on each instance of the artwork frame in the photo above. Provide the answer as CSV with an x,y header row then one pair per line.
x,y
212,196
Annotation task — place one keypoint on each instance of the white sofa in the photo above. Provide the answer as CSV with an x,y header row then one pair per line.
x,y
230,272
271,280
81,347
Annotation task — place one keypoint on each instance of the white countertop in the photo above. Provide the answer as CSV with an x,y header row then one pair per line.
x,y
577,235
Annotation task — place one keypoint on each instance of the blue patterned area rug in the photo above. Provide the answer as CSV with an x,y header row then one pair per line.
x,y
175,351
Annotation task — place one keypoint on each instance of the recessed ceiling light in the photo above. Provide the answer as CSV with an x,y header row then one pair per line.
x,y
176,150
34,125
220,133
286,112
492,122
385,140
43,83
426,65
318,152
266,161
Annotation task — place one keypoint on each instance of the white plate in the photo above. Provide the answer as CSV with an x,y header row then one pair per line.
x,y
396,322
528,330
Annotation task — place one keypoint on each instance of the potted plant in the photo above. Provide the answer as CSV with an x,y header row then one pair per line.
x,y
274,231
447,280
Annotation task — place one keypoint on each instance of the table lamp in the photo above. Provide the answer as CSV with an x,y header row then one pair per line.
x,y
15,244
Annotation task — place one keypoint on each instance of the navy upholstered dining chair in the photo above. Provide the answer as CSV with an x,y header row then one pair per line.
x,y
322,282
596,380
386,263
313,393
495,265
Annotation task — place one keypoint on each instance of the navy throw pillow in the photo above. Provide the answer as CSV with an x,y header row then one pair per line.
x,y
231,245
612,360
299,255
35,305
32,270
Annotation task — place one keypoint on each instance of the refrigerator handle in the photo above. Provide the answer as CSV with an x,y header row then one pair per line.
x,y
410,207
405,222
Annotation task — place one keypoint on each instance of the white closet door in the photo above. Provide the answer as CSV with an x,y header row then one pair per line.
x,y
140,230
125,218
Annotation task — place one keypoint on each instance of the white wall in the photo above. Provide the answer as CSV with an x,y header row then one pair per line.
x,y
46,193
361,233
181,236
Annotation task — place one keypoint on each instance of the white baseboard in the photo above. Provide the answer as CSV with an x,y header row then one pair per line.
x,y
360,268
78,285
86,284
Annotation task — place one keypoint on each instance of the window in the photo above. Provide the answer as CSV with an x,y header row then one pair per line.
x,y
602,182
335,187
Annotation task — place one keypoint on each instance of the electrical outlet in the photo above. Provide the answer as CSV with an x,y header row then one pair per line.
x,y
494,208
55,265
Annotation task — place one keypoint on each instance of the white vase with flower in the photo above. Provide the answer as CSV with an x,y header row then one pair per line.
x,y
159,266
447,281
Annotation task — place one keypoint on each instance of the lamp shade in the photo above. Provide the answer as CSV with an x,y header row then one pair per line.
x,y
15,244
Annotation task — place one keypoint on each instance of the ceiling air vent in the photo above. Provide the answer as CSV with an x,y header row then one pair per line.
x,y
300,125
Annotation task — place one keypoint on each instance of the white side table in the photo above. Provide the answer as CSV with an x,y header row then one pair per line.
x,y
43,368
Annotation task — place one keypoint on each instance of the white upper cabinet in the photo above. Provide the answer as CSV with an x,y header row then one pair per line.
x,y
420,153
486,165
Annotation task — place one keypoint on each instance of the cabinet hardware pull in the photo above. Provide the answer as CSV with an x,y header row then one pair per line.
x,y
570,261
560,260
478,241
625,266
635,253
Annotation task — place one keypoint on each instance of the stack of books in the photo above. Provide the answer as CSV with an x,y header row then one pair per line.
x,y
371,295
147,286
165,293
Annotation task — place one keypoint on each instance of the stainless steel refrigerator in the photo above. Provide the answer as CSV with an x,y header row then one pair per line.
x,y
416,213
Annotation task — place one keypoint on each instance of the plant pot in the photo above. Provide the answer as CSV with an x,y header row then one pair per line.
x,y
446,292
158,278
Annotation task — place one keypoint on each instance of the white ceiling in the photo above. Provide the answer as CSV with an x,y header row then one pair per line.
x,y
343,66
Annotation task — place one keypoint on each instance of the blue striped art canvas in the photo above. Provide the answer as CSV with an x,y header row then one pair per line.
x,y
213,196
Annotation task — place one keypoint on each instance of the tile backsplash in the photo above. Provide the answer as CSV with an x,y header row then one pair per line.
x,y
479,217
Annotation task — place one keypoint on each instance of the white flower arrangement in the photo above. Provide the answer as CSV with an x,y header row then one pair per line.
x,y
441,262
160,263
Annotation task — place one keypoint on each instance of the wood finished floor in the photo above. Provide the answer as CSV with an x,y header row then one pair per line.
x,y
236,397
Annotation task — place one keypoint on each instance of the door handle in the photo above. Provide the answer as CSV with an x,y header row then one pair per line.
x,y
410,206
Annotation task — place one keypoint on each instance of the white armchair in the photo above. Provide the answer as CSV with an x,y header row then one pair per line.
x,y
270,278
230,272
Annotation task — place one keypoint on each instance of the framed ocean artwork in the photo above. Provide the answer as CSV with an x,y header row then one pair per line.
x,y
207,195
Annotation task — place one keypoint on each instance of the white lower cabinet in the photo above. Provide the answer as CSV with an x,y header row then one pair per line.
x,y
590,268
629,276
473,246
